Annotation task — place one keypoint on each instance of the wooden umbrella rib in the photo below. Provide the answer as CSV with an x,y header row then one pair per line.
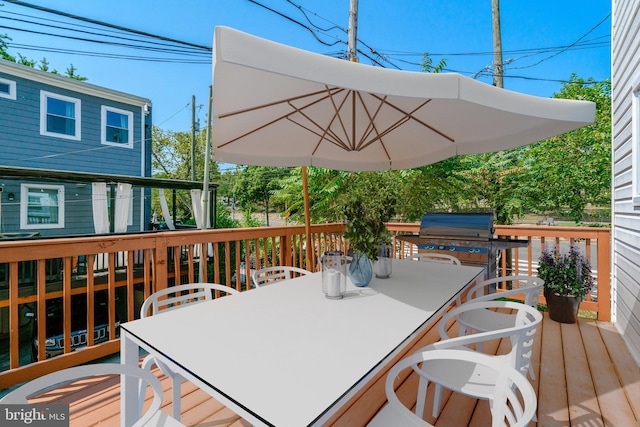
x,y
324,131
371,128
328,136
327,92
337,110
353,119
281,101
410,115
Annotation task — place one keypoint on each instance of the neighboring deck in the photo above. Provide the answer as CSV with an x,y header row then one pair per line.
x,y
585,377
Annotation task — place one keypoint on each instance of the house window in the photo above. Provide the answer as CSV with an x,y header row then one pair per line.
x,y
7,89
41,206
59,116
117,127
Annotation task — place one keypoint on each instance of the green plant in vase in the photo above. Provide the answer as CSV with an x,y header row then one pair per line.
x,y
367,208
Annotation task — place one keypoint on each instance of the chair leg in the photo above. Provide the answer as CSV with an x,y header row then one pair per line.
x,y
176,386
532,374
422,397
437,397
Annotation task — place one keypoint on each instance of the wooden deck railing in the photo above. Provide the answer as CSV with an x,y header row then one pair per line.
x,y
594,242
39,280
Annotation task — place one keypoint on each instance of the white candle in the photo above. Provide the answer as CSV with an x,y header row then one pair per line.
x,y
333,288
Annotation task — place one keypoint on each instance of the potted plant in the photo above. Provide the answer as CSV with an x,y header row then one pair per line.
x,y
368,205
364,232
567,280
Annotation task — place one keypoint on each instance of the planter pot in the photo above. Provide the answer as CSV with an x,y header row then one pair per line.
x,y
562,308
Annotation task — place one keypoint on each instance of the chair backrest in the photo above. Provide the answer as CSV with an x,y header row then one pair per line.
x,y
180,295
524,321
269,275
49,381
513,400
433,257
529,286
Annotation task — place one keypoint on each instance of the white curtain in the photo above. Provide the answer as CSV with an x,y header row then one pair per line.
x,y
123,204
100,210
196,205
165,210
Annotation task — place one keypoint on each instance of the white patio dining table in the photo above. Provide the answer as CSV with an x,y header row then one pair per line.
x,y
284,355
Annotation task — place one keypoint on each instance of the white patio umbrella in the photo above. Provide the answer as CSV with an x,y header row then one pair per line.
x,y
275,105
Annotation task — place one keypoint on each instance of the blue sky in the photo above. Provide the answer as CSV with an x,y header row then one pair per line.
x,y
543,41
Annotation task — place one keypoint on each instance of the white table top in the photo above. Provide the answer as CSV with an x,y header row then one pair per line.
x,y
284,354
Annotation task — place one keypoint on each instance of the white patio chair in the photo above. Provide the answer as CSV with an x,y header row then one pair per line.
x,y
524,321
152,417
489,320
529,286
269,275
176,297
512,398
433,257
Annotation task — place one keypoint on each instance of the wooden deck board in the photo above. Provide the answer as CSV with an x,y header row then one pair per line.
x,y
584,376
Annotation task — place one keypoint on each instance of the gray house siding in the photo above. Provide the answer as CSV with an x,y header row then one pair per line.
x,y
626,171
24,145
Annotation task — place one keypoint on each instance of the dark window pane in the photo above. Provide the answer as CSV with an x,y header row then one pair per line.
x,y
61,125
117,120
117,135
62,108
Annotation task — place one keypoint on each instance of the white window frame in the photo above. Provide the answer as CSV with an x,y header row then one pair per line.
x,y
635,139
24,206
43,115
103,127
12,89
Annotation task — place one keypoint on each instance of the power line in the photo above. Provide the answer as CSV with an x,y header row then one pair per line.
x,y
567,47
94,33
105,24
107,55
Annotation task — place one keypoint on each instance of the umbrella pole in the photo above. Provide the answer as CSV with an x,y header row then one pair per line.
x,y
307,219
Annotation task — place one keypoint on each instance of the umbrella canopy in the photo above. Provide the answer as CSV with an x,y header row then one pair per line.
x,y
276,105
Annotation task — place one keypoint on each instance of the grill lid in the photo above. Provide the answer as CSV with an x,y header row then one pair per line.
x,y
457,225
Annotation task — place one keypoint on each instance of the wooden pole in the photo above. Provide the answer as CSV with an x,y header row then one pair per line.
x,y
353,31
497,44
307,219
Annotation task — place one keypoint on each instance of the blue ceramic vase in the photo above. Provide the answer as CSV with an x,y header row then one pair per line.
x,y
360,270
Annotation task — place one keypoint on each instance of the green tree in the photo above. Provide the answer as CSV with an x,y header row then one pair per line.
x,y
570,171
256,186
171,158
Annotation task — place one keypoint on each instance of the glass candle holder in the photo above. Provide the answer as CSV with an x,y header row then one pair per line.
x,y
334,275
382,266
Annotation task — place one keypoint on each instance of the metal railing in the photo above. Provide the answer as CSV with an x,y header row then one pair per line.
x,y
53,292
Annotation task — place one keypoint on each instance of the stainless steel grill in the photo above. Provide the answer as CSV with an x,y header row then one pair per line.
x,y
467,236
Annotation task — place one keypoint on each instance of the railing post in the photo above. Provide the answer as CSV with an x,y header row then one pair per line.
x,y
604,275
160,264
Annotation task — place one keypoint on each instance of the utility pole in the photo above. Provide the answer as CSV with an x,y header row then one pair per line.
x,y
193,137
497,44
353,31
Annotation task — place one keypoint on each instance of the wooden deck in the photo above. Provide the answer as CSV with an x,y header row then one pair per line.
x,y
585,377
